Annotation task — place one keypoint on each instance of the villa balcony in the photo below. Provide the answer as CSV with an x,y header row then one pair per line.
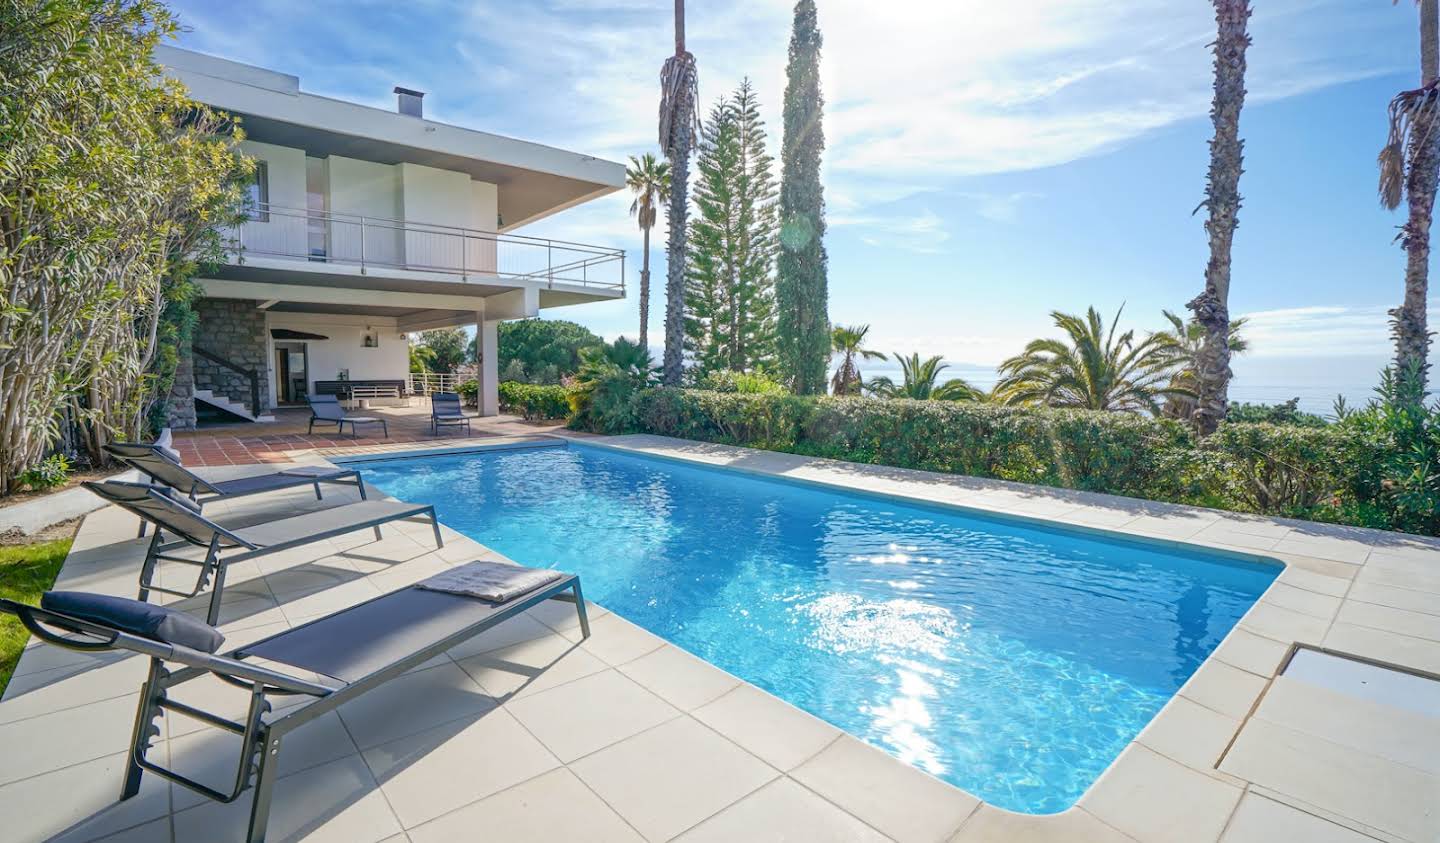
x,y
336,248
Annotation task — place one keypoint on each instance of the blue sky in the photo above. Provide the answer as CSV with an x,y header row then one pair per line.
x,y
987,163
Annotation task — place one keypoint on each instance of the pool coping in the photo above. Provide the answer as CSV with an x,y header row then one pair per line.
x,y
1191,774
1165,766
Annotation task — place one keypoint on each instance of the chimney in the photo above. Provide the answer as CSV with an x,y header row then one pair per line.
x,y
409,102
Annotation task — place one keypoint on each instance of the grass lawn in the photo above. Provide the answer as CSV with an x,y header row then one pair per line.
x,y
26,571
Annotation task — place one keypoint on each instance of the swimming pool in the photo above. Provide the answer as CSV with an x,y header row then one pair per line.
x,y
1013,661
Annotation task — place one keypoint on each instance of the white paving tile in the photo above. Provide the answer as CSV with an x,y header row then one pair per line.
x,y
679,678
670,778
591,713
556,806
412,703
779,733
430,774
782,812
890,796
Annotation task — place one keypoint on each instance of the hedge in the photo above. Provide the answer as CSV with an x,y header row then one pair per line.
x,y
1324,473
535,402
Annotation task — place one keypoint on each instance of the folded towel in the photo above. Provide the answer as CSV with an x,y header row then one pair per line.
x,y
493,582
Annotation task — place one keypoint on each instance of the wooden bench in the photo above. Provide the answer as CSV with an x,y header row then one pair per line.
x,y
353,391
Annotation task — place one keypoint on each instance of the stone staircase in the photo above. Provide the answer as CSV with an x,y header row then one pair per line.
x,y
220,402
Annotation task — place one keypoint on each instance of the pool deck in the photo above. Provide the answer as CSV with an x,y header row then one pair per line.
x,y
527,734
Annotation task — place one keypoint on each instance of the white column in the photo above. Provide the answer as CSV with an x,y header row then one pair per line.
x,y
487,348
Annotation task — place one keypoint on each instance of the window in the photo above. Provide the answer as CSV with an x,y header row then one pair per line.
x,y
257,194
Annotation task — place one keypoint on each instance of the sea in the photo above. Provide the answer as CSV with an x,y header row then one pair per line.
x,y
1315,381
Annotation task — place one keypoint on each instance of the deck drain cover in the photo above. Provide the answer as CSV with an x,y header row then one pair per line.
x,y
1369,681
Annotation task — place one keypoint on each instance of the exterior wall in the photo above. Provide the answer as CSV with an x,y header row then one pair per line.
x,y
364,188
284,232
417,194
344,347
235,330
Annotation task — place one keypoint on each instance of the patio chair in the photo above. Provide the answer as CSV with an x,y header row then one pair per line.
x,y
445,410
181,517
153,462
326,409
354,651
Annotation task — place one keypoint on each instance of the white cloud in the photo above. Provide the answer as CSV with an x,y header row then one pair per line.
x,y
924,233
1323,331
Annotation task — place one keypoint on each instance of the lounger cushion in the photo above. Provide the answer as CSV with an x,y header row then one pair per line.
x,y
158,623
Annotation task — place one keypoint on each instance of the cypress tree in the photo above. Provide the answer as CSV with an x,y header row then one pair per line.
x,y
803,322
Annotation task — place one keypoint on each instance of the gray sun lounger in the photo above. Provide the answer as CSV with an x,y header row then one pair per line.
x,y
223,546
445,411
153,462
326,409
354,651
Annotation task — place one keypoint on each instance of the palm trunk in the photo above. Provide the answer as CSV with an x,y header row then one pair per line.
x,y
1412,335
675,248
1222,198
645,292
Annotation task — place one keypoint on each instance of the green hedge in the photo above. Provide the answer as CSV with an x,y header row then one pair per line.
x,y
535,402
1325,473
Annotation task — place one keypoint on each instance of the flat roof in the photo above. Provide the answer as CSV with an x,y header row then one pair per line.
x,y
535,180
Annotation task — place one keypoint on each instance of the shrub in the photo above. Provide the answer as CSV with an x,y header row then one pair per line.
x,y
470,391
745,383
535,402
1286,412
50,472
1354,472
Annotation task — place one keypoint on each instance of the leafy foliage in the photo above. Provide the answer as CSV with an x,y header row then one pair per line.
x,y
535,402
730,256
444,350
1094,368
1379,468
543,351
114,187
848,341
50,472
1286,412
601,395
648,179
745,383
801,286
920,382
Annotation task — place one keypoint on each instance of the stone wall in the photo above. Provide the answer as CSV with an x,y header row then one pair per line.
x,y
182,394
235,330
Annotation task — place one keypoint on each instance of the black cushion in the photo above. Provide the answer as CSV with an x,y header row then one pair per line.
x,y
158,623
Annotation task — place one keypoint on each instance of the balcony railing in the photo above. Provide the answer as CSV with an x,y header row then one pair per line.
x,y
370,242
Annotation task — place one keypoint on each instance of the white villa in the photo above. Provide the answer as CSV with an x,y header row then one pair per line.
x,y
369,224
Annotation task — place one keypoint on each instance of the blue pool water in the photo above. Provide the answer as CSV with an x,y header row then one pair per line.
x,y
1011,661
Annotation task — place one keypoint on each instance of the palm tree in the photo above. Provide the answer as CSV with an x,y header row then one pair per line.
x,y
847,340
919,382
1093,368
1415,135
679,88
1222,199
1190,339
649,179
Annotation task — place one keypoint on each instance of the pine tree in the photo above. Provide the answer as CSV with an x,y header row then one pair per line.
x,y
730,257
800,289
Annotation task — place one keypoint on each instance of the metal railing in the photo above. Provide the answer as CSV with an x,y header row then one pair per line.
x,y
340,238
428,383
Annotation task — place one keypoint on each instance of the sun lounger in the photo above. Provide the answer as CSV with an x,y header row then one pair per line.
x,y
182,518
326,409
445,411
152,461
354,651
